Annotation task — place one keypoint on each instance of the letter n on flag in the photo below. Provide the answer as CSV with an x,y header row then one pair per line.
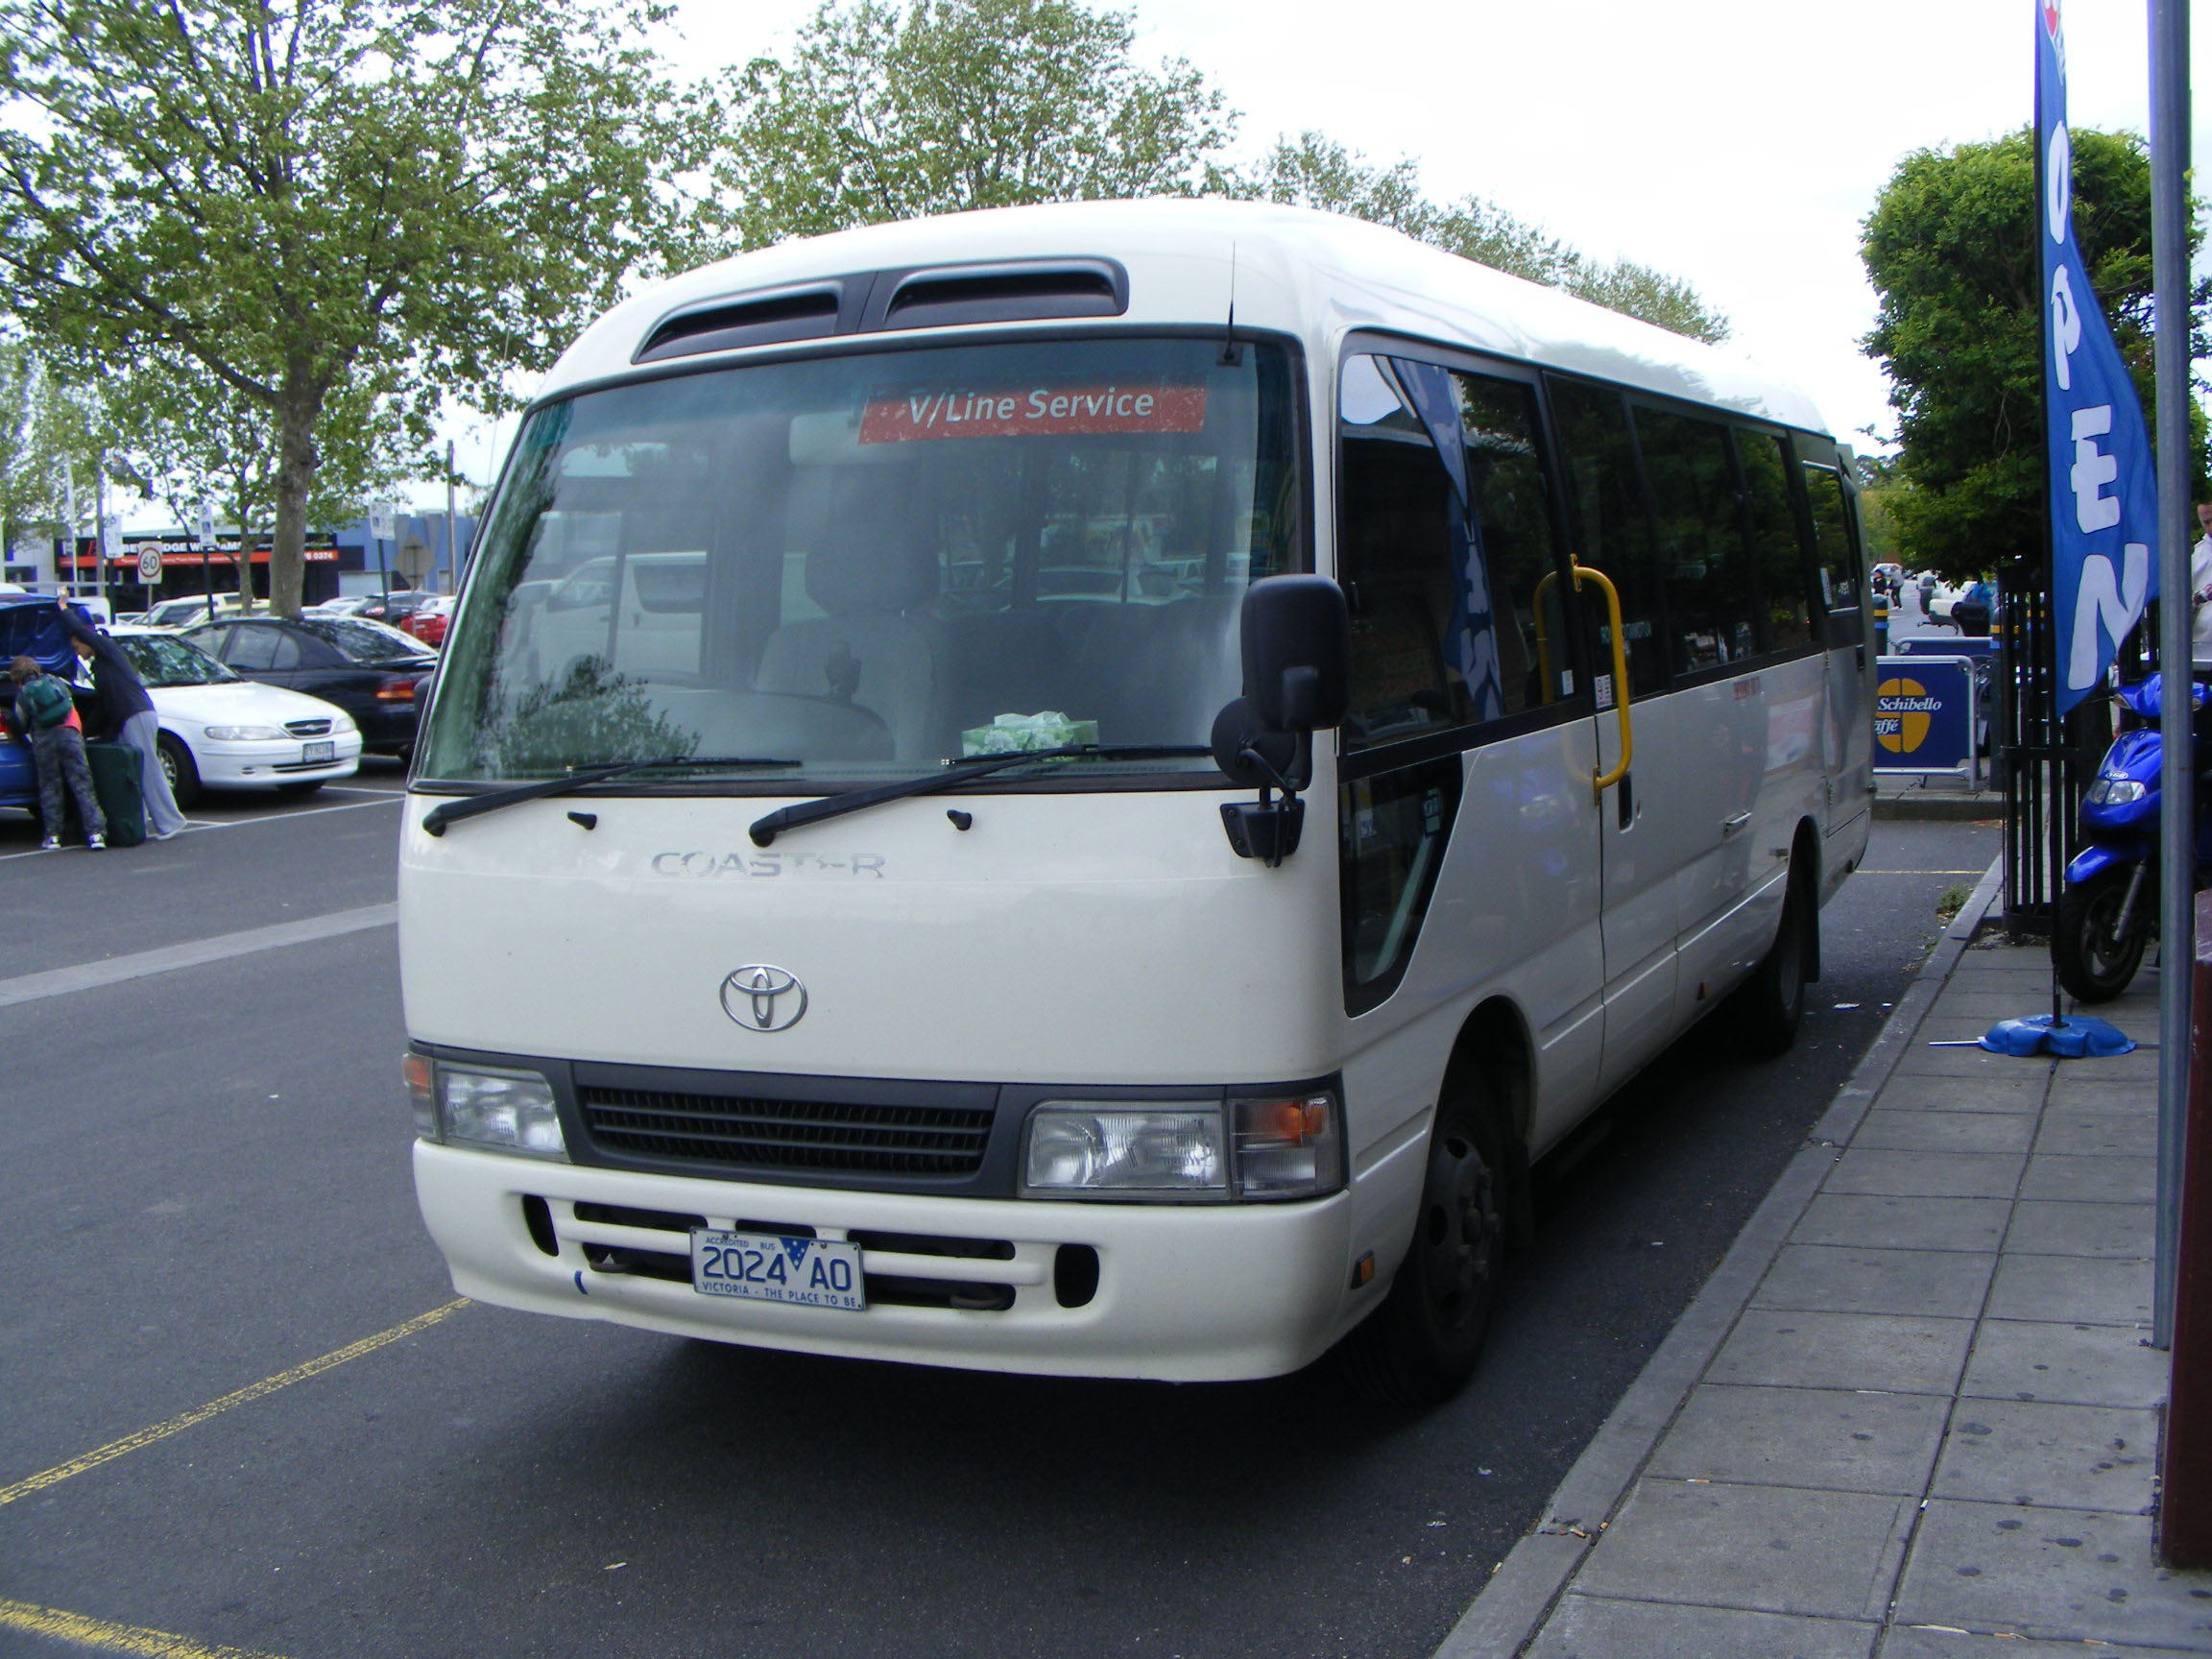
x,y
2103,494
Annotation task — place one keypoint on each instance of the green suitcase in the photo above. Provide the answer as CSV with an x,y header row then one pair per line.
x,y
116,773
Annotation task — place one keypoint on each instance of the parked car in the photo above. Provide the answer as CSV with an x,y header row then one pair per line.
x,y
29,626
220,731
369,670
394,606
184,611
428,623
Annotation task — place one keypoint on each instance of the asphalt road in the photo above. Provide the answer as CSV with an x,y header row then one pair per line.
x,y
205,1183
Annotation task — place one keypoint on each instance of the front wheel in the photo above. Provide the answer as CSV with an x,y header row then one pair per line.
x,y
177,766
1769,1005
2094,958
1420,1346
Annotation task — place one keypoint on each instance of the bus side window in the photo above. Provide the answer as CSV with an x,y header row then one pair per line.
x,y
1710,597
1394,506
1498,428
1784,593
1606,510
1833,557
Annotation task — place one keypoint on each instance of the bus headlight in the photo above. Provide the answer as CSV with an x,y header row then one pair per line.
x,y
1265,1149
1115,1150
510,1111
1289,1148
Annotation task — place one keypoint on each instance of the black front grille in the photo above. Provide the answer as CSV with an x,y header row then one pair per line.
x,y
308,728
743,1132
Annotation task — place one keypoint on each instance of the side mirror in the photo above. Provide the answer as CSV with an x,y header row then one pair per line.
x,y
1297,649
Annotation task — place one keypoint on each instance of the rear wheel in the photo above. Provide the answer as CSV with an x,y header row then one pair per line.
x,y
177,767
1420,1346
1768,1006
2094,959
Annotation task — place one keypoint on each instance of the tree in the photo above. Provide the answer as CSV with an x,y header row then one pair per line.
x,y
1316,171
48,438
303,197
951,105
1950,248
195,439
954,105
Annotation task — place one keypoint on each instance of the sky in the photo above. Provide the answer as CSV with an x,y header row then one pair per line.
x,y
1737,144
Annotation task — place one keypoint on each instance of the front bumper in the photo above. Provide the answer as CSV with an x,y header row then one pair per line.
x,y
1182,1294
263,764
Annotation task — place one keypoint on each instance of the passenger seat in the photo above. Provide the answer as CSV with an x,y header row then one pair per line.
x,y
874,565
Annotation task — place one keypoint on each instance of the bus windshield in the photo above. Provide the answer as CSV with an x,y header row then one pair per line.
x,y
871,563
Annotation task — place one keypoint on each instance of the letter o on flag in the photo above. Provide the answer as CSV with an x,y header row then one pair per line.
x,y
2058,182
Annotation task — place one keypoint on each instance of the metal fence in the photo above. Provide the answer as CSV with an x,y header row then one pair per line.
x,y
2043,763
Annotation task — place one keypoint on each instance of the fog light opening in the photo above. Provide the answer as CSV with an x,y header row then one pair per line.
x,y
1074,1275
538,1217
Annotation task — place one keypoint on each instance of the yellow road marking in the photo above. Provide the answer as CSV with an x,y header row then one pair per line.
x,y
115,1449
108,1638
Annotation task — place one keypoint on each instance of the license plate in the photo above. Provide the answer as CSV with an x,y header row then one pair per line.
x,y
318,751
767,1267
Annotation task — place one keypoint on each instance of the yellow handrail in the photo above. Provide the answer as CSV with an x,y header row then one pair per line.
x,y
1601,781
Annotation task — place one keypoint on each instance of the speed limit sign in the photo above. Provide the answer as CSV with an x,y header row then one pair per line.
x,y
149,562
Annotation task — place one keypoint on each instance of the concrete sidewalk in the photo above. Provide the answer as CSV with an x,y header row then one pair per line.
x,y
1913,1415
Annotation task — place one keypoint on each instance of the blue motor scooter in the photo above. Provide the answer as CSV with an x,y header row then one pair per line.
x,y
2109,907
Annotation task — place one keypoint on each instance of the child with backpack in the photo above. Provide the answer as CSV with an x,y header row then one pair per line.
x,y
47,714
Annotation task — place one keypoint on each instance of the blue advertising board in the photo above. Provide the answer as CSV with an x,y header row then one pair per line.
x,y
1925,715
1942,645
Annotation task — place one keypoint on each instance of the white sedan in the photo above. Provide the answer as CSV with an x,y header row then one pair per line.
x,y
220,731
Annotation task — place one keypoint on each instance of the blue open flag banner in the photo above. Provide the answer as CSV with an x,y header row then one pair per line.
x,y
2103,494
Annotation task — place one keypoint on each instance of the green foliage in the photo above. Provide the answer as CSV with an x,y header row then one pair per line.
x,y
1316,171
1950,248
192,438
48,436
333,208
951,104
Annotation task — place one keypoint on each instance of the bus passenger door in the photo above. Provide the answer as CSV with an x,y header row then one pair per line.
x,y
1467,828
1641,825
1847,725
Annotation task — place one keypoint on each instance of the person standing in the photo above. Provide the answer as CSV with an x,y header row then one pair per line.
x,y
129,713
47,714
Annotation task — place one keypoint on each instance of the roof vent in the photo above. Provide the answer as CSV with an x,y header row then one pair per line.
x,y
1011,293
763,319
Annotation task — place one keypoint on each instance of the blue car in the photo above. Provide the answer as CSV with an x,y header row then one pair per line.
x,y
29,626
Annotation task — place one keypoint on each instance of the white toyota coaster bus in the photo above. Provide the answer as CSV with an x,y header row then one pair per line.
x,y
1082,789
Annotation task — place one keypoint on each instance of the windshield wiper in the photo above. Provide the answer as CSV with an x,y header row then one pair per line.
x,y
953,775
470,806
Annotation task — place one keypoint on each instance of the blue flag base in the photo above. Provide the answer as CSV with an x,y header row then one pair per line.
x,y
2080,1037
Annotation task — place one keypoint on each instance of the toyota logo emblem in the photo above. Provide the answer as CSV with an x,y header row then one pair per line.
x,y
763,999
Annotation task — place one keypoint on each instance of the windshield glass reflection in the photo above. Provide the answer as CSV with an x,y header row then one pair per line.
x,y
871,563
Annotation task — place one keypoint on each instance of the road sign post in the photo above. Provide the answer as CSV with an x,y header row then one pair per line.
x,y
383,521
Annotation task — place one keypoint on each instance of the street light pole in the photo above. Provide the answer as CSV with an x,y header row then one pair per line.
x,y
2178,863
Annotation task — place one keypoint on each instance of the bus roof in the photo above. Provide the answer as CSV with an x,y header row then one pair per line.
x,y
1294,270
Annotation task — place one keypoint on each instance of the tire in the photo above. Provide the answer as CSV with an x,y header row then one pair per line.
x,y
178,766
1419,1348
2094,965
301,790
1768,1007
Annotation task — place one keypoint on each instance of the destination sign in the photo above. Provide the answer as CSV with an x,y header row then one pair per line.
x,y
921,415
